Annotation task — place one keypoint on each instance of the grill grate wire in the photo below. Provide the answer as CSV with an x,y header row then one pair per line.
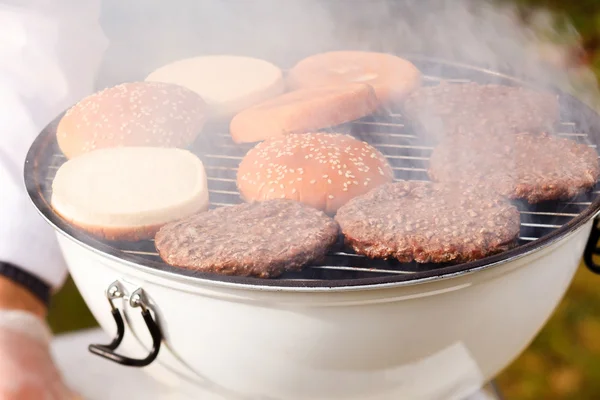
x,y
409,158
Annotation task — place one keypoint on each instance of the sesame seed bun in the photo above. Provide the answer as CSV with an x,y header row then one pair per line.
x,y
323,170
393,78
227,83
304,110
132,114
128,193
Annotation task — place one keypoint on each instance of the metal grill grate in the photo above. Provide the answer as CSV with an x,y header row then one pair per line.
x,y
409,158
405,151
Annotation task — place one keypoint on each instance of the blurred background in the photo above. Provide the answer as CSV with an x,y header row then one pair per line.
x,y
563,362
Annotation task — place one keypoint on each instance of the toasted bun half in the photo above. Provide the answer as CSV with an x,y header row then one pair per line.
x,y
128,193
322,170
229,84
393,78
132,114
304,110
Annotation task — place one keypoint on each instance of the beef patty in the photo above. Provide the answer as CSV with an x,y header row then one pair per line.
x,y
253,239
429,222
450,109
533,167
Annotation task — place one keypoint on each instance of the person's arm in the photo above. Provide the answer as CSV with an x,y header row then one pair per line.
x,y
14,296
29,254
49,55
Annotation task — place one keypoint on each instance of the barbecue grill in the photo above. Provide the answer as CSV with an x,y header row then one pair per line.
x,y
329,324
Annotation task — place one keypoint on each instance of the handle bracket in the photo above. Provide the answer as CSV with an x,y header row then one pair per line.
x,y
592,249
137,299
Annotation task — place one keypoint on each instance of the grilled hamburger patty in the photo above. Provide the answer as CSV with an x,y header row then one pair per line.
x,y
261,239
450,109
429,222
533,167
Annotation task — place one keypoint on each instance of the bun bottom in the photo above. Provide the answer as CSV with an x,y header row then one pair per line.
x,y
117,233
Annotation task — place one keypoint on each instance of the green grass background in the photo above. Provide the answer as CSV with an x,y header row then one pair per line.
x,y
563,362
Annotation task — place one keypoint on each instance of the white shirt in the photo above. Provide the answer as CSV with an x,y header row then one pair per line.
x,y
50,51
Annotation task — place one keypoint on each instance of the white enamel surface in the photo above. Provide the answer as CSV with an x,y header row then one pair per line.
x,y
130,186
441,338
87,374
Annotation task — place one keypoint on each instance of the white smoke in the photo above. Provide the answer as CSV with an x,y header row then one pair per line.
x,y
146,34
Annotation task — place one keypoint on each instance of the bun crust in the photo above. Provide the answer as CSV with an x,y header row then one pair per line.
x,y
121,234
321,170
393,78
304,110
132,114
128,193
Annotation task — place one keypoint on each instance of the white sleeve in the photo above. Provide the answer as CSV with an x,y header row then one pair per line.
x,y
49,55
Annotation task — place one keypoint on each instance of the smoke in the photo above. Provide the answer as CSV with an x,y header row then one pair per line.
x,y
146,34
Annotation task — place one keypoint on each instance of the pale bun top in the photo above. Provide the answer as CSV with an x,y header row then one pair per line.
x,y
132,114
227,83
323,170
130,187
392,77
304,110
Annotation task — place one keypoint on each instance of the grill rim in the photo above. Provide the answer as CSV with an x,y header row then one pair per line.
x,y
43,140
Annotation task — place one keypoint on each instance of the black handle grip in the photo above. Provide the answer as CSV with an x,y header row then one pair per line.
x,y
107,350
592,249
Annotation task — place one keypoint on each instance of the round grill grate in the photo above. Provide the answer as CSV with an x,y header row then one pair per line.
x,y
406,152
